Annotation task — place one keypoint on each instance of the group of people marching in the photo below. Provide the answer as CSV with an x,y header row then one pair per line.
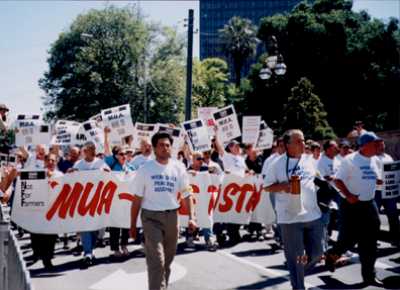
x,y
303,184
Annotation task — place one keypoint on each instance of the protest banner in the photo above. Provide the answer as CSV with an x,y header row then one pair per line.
x,y
266,137
391,180
119,120
176,135
264,212
250,129
95,134
90,200
66,133
75,202
206,114
143,130
228,125
205,189
31,130
198,135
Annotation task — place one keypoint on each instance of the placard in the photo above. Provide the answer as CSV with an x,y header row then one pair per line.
x,y
228,125
143,130
119,120
66,133
391,180
197,132
266,137
95,134
206,114
31,130
33,190
251,129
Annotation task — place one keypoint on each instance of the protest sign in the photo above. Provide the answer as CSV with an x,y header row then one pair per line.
x,y
251,129
95,134
31,130
266,137
228,125
119,120
143,130
32,189
391,180
206,114
66,133
198,135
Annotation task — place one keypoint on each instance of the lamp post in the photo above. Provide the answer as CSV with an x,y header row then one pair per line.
x,y
274,63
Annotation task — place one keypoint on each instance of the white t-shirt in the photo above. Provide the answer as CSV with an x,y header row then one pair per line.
x,y
139,160
159,184
278,173
235,164
359,174
268,162
97,163
327,166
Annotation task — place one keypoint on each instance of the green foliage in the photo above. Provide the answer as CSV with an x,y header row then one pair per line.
x,y
352,60
210,80
100,62
304,110
239,41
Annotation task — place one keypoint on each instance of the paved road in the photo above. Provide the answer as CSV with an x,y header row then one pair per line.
x,y
248,265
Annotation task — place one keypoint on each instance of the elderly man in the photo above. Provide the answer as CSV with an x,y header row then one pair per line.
x,y
291,177
3,117
356,179
144,156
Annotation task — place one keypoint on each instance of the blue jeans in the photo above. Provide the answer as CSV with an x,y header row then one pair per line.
x,y
325,219
207,233
88,240
301,239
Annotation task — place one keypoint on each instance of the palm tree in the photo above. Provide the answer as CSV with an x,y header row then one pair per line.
x,y
239,42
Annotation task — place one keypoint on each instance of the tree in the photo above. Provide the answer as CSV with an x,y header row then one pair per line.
x,y
352,60
210,80
304,110
101,61
239,40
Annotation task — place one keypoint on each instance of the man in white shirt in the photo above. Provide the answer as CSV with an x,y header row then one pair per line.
x,y
291,177
389,204
89,162
356,179
156,187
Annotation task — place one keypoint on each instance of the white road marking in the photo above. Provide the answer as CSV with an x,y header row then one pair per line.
x,y
134,281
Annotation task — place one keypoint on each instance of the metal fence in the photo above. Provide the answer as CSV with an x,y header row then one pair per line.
x,y
13,272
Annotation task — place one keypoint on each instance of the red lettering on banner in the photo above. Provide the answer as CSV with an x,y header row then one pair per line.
x,y
254,199
213,201
68,198
83,208
183,210
243,190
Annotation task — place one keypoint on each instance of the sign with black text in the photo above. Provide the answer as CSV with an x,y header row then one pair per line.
x,y
31,130
391,180
119,120
197,133
227,123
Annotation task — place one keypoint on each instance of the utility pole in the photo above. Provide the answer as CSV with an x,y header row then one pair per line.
x,y
188,104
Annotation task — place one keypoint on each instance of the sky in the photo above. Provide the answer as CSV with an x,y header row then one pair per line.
x,y
28,28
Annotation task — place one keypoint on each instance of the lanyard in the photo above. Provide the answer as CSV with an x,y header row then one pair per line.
x,y
293,169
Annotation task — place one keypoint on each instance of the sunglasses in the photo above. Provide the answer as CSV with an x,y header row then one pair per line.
x,y
199,159
121,154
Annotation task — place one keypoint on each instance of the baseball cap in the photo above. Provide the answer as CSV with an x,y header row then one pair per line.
x,y
367,138
345,143
4,107
233,142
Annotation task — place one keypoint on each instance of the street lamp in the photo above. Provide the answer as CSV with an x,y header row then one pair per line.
x,y
273,63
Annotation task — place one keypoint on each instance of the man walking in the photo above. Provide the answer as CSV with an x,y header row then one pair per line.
x,y
356,179
291,177
156,187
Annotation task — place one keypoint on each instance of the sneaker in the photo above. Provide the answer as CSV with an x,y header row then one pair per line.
x,y
190,243
211,245
125,251
117,254
330,261
86,262
374,282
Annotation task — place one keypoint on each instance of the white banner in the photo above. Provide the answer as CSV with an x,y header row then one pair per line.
x,y
206,114
95,134
198,135
251,129
90,200
391,180
266,137
119,120
31,130
228,125
79,201
143,130
66,133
